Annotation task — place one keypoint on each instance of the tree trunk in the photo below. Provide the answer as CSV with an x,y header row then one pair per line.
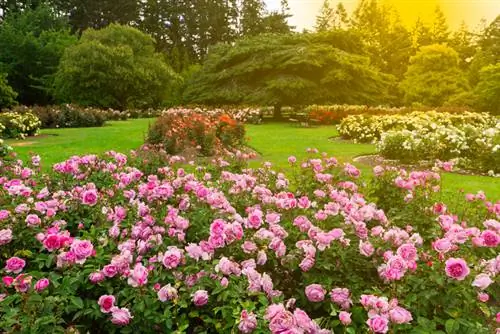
x,y
277,112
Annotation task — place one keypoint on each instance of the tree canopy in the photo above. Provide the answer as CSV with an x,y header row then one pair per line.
x,y
434,76
288,70
7,94
113,67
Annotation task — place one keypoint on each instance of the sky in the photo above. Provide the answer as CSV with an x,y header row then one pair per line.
x,y
471,11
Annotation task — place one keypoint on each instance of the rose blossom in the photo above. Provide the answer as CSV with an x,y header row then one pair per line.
x,y
89,197
14,265
42,284
138,276
200,298
106,303
399,315
248,322
82,249
315,293
96,277
172,257
483,297
120,316
482,281
345,318
457,268
167,293
378,324
5,236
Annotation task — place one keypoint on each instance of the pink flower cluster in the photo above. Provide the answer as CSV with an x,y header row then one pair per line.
x,y
382,312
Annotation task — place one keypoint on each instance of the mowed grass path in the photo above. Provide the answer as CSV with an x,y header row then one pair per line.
x,y
275,142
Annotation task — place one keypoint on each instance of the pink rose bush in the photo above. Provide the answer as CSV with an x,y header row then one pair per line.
x,y
149,242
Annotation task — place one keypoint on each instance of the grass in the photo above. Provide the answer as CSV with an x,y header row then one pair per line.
x,y
274,141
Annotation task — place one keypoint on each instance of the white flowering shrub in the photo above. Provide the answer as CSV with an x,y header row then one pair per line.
x,y
19,125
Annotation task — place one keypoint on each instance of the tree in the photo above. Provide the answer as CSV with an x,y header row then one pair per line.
x,y
289,70
488,89
15,6
488,52
440,31
85,14
251,17
113,67
277,21
433,76
421,34
32,43
325,18
7,94
463,42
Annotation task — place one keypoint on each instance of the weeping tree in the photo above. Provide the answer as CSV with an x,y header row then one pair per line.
x,y
288,70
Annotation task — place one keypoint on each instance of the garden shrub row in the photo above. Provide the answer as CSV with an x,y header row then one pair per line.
x,y
16,125
472,139
334,114
207,132
99,245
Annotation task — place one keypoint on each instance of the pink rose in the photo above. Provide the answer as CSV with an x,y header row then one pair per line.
x,y
14,265
106,303
490,238
304,321
8,280
248,322
51,242
120,316
138,276
315,293
399,315
5,236
340,296
249,247
33,220
110,270
483,297
282,322
172,257
407,252
366,248
378,324
42,284
442,245
4,214
167,293
292,160
482,281
82,249
96,277
307,263
345,318
200,298
89,197
457,269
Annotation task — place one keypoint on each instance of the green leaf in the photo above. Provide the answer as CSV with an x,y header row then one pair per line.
x,y
452,326
77,301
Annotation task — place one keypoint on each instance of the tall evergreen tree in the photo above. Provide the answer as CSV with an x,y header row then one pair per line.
x,y
440,30
325,17
251,17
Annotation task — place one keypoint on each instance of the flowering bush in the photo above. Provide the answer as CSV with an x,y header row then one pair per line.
x,y
4,148
241,115
16,125
334,114
99,246
367,128
183,129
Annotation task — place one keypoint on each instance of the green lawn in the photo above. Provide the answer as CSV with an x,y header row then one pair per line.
x,y
274,141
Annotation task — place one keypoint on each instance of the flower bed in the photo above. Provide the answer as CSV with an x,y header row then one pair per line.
x,y
180,130
99,246
14,125
242,115
472,139
334,114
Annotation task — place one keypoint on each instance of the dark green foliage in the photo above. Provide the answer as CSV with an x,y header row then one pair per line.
x,y
433,76
488,89
113,67
32,43
7,94
287,70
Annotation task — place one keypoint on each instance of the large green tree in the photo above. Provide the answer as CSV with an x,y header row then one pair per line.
x,y
7,94
488,89
32,43
434,76
289,70
113,67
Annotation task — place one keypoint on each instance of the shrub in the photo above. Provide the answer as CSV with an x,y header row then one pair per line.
x,y
114,67
178,130
7,94
105,247
488,89
19,125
